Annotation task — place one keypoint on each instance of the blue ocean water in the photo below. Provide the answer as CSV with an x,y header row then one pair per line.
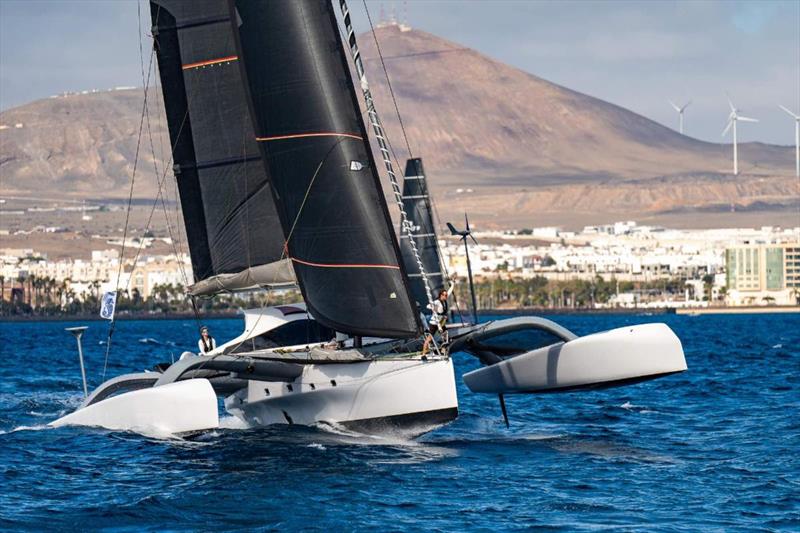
x,y
716,448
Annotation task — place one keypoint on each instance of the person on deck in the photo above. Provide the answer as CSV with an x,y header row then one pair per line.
x,y
438,320
206,342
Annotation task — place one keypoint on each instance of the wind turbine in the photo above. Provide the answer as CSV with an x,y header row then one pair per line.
x,y
680,110
464,234
796,140
733,118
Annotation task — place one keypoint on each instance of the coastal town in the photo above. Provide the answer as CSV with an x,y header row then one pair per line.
x,y
623,265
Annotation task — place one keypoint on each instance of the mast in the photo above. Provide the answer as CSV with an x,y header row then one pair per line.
x,y
313,142
232,226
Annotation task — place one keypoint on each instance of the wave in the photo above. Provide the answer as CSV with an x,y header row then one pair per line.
x,y
151,340
38,427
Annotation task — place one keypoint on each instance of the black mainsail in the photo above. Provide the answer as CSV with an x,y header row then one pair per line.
x,y
235,237
417,204
314,145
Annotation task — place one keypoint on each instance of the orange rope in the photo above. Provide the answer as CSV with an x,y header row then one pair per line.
x,y
301,135
209,62
331,265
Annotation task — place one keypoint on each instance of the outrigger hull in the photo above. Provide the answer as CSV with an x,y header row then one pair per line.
x,y
176,408
618,357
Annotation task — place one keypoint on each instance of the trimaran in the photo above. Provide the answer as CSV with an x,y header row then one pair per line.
x,y
278,185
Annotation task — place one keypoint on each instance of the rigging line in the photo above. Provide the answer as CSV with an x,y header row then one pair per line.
x,y
159,195
130,193
378,130
388,81
391,92
175,250
405,137
155,163
172,151
441,228
365,115
285,251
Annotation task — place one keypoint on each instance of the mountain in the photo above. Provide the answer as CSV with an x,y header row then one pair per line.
x,y
529,150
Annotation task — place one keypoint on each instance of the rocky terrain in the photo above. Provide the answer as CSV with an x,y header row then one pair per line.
x,y
522,150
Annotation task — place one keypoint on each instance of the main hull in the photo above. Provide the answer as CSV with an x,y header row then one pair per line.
x,y
405,396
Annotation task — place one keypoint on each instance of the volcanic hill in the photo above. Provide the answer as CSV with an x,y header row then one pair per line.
x,y
531,152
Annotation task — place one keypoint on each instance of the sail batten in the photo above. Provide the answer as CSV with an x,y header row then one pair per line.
x,y
416,203
229,213
313,143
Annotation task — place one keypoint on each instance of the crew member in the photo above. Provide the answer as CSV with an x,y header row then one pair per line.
x,y
438,321
206,342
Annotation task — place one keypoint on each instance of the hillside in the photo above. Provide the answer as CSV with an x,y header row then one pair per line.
x,y
478,123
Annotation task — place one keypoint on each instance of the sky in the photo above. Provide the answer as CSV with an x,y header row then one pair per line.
x,y
636,54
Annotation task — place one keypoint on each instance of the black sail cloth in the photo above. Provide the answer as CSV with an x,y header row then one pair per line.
x,y
314,145
235,237
416,203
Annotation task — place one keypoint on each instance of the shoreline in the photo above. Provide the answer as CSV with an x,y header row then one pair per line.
x,y
121,318
483,312
760,310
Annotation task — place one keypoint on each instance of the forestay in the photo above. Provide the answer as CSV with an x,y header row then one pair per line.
x,y
235,238
314,145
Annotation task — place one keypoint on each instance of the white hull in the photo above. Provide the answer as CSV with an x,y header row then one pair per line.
x,y
176,408
407,395
612,358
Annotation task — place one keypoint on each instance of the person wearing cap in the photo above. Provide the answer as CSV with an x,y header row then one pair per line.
x,y
206,343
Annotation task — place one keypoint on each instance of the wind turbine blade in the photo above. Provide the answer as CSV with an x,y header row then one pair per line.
x,y
466,222
796,117
733,108
453,231
471,237
747,119
685,106
675,107
730,123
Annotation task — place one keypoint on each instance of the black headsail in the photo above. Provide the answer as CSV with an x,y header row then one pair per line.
x,y
416,202
314,145
234,234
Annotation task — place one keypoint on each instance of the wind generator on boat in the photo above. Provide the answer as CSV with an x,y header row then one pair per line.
x,y
278,185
